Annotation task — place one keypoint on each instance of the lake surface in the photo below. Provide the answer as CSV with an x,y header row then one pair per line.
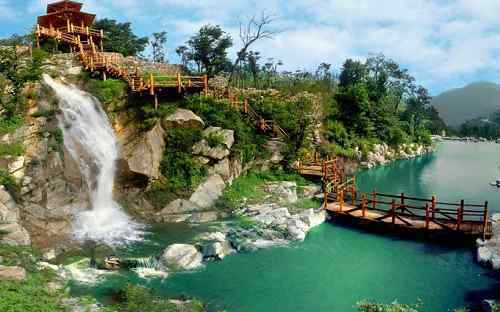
x,y
337,266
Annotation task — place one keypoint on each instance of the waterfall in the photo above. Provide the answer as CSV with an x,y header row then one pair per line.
x,y
90,140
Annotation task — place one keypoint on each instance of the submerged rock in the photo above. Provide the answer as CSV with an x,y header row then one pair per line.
x,y
182,256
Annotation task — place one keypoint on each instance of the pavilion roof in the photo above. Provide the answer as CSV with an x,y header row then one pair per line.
x,y
59,12
64,5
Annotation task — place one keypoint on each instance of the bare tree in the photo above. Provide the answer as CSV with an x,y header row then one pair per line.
x,y
255,29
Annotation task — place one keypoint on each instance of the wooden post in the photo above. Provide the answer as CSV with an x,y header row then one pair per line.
x,y
179,84
485,219
433,207
427,216
156,101
205,82
325,195
341,200
245,106
363,204
68,25
460,212
151,84
374,200
402,204
393,211
104,75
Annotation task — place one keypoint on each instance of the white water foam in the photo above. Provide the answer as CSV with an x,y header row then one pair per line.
x,y
89,138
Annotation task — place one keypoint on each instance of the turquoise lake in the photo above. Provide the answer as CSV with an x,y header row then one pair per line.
x,y
338,265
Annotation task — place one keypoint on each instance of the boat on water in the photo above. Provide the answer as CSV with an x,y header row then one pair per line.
x,y
496,183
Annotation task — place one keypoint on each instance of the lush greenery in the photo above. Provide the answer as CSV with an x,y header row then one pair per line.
x,y
13,149
482,127
120,38
33,294
135,299
248,189
207,50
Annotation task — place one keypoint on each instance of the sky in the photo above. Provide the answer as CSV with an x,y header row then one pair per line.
x,y
444,43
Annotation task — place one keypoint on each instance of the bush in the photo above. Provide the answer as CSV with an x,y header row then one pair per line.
x,y
215,140
13,149
8,181
368,306
8,125
136,298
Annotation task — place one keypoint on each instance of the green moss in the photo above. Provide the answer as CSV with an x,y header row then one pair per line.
x,y
8,125
13,149
8,181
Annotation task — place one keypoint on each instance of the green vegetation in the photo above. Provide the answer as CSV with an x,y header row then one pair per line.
x,y
14,149
8,181
181,171
207,50
120,38
248,142
248,188
135,298
488,127
368,306
33,294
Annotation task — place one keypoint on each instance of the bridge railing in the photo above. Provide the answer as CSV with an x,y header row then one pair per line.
x,y
460,216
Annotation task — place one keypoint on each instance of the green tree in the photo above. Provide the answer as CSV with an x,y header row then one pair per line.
x,y
118,37
208,49
158,46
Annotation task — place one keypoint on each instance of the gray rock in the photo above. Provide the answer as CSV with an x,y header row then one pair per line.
x,y
182,256
203,217
208,192
297,229
12,273
226,135
312,218
144,154
222,168
183,118
216,250
311,190
213,236
204,149
16,235
286,191
179,206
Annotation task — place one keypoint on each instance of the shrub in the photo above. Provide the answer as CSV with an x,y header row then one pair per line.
x,y
215,140
8,181
8,125
13,149
368,306
47,113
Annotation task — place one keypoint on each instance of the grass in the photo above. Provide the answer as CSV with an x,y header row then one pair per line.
x,y
8,125
246,188
33,293
8,181
12,149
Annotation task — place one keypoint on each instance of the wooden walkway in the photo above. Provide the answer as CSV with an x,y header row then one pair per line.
x,y
342,198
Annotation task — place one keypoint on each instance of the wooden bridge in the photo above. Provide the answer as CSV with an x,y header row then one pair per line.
x,y
342,198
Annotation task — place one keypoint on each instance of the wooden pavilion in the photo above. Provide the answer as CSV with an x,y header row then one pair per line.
x,y
66,17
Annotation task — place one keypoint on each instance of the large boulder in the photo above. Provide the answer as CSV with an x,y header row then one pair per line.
x,y
182,256
179,206
8,207
313,218
218,152
143,155
183,118
12,273
286,191
16,235
208,192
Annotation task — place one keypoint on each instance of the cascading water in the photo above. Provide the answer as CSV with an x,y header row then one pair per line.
x,y
89,138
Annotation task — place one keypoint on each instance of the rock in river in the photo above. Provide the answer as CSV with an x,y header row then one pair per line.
x,y
182,256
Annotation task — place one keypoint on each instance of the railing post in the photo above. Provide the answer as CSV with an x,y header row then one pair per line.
x,y
460,212
426,216
179,83
433,206
325,195
485,219
363,205
245,106
341,200
393,211
205,82
402,201
374,200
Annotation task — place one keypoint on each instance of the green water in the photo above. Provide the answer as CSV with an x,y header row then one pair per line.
x,y
337,265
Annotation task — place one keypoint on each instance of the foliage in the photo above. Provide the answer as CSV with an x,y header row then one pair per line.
x,y
368,306
139,299
8,181
113,93
120,38
215,140
158,46
248,142
482,127
247,188
13,149
181,171
207,49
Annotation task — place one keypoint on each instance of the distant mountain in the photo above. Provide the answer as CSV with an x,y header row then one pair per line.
x,y
479,99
